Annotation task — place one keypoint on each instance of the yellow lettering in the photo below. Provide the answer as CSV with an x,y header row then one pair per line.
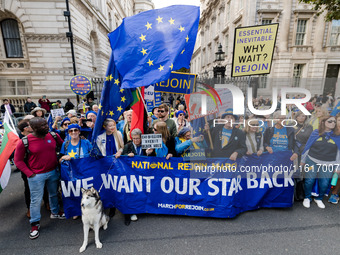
x,y
180,166
134,164
187,84
170,166
174,79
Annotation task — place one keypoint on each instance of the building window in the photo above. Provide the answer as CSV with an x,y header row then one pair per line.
x,y
335,33
11,36
301,32
266,21
226,44
297,73
263,81
17,87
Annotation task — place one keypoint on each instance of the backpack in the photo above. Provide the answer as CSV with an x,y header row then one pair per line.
x,y
25,142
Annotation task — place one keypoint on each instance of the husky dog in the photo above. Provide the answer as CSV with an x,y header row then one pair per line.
x,y
93,216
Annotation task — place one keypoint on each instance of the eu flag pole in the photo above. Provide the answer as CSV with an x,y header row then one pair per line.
x,y
114,99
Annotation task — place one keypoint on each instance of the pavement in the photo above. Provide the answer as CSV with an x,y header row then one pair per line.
x,y
295,230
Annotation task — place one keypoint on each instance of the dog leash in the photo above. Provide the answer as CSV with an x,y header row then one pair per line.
x,y
113,161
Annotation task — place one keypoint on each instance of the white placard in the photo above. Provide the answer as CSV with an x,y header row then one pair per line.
x,y
149,93
153,141
57,112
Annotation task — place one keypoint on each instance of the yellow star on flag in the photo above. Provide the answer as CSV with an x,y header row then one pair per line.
x,y
182,51
111,113
109,78
148,25
187,38
72,154
171,66
144,51
150,62
159,19
181,28
102,113
119,108
123,99
117,81
194,132
172,21
142,37
161,68
100,107
121,90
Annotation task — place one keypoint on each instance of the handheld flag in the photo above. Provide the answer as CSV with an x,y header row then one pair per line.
x,y
9,142
114,99
336,109
149,45
50,122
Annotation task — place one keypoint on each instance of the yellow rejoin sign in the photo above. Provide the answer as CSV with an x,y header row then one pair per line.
x,y
253,50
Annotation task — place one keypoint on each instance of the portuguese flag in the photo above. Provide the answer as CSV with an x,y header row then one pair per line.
x,y
9,142
138,111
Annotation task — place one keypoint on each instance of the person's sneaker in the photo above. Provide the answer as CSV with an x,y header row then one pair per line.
x,y
134,217
34,233
306,202
319,203
59,215
334,199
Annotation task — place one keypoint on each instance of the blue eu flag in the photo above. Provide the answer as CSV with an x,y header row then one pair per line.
x,y
336,109
149,45
197,126
114,99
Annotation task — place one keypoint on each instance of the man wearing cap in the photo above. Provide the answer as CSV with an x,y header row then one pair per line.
x,y
71,113
228,141
81,108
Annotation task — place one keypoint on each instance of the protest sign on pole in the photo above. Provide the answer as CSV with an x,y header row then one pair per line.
x,y
180,83
253,50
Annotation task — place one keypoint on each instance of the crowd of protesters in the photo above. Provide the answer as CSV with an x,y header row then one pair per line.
x,y
313,140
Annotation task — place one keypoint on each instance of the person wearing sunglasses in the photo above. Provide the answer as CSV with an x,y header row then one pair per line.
x,y
180,121
163,115
186,144
63,126
322,150
75,147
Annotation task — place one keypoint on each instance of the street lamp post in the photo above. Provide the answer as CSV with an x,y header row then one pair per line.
x,y
69,35
219,70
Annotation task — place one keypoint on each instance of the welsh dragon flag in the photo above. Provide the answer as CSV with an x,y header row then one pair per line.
x,y
9,141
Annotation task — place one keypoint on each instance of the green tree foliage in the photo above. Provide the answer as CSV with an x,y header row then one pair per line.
x,y
332,7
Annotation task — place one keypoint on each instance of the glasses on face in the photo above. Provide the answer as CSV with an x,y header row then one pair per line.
x,y
73,131
136,138
161,111
254,125
331,121
66,124
154,129
181,114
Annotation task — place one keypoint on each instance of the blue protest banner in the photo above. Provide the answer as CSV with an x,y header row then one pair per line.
x,y
214,188
158,99
180,83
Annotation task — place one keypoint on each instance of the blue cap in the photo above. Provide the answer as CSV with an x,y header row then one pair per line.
x,y
73,126
178,113
90,112
65,119
1,124
229,111
183,131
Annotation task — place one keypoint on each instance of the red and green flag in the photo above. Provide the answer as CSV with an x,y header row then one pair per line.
x,y
9,142
138,110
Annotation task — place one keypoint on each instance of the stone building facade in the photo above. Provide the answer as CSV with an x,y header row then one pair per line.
x,y
35,54
307,51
